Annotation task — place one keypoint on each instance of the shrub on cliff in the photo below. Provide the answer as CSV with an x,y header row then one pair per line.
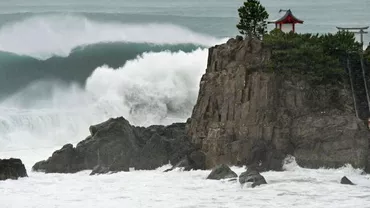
x,y
253,18
367,54
320,58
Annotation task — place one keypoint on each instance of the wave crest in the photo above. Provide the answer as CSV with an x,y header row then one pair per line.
x,y
56,35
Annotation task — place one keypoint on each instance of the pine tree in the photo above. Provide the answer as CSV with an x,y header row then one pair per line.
x,y
253,18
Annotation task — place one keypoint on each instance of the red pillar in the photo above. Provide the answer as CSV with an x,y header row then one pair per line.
x,y
293,28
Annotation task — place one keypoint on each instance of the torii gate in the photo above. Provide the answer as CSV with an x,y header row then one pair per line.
x,y
360,30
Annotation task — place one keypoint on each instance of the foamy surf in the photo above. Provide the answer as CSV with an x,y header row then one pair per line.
x,y
292,188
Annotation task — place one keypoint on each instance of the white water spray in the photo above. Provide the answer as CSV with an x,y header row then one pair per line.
x,y
155,88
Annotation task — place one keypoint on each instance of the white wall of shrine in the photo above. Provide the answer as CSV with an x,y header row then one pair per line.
x,y
287,27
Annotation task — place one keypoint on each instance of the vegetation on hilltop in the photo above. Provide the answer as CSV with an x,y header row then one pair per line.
x,y
367,54
320,58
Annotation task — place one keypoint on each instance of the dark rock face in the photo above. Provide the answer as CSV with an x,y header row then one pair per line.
x,y
115,145
63,161
245,116
252,176
222,172
264,157
193,161
197,160
99,170
12,169
346,181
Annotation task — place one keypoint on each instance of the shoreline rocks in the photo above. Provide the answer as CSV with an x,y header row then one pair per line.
x,y
346,181
193,161
252,176
12,169
116,145
222,172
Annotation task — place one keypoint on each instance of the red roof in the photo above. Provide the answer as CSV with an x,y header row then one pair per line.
x,y
287,18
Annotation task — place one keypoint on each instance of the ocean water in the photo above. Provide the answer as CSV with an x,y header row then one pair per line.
x,y
296,187
65,65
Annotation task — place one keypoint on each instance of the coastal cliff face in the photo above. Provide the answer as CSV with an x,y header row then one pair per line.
x,y
246,115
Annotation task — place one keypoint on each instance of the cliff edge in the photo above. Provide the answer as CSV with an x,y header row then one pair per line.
x,y
246,115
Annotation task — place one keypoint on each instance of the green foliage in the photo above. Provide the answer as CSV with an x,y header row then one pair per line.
x,y
367,54
321,59
253,18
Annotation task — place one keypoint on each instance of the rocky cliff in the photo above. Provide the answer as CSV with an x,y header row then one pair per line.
x,y
245,115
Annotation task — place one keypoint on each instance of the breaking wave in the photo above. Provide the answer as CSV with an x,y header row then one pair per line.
x,y
58,79
17,71
57,35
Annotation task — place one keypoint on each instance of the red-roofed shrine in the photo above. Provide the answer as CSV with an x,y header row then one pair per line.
x,y
287,22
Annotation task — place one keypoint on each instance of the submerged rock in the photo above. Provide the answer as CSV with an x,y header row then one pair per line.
x,y
252,176
116,145
12,169
222,172
346,181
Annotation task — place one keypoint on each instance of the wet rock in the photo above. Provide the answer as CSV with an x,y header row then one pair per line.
x,y
346,181
252,176
222,172
12,169
61,161
264,156
193,161
197,160
116,145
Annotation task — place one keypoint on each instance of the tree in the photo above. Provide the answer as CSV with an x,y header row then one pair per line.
x,y
253,18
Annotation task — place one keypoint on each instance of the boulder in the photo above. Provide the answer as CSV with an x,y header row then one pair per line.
x,y
12,169
252,176
346,181
116,145
222,172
